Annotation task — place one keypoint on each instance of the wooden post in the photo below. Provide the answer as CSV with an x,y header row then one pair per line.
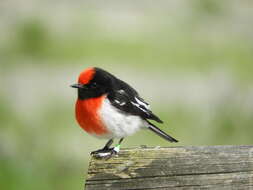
x,y
191,167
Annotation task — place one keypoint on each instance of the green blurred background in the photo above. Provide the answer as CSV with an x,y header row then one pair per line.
x,y
192,60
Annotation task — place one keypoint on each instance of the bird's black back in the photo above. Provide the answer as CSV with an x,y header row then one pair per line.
x,y
123,96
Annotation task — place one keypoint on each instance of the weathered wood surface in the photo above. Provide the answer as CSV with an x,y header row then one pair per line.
x,y
202,167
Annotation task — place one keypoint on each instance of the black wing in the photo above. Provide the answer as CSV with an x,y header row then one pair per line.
x,y
126,99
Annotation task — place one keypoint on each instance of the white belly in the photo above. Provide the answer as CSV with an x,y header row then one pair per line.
x,y
118,123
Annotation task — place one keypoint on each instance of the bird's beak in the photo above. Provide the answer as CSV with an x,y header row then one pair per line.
x,y
78,85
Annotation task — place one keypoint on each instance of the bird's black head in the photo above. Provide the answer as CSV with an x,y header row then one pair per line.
x,y
93,82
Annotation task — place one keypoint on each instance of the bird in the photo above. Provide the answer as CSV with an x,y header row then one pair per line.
x,y
109,108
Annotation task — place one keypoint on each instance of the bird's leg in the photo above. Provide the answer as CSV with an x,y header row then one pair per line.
x,y
107,152
117,147
105,149
108,144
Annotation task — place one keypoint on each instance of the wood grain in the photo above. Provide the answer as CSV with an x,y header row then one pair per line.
x,y
193,167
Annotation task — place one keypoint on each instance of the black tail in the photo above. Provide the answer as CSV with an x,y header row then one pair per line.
x,y
159,132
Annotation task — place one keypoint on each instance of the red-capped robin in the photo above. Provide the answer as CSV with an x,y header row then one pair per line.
x,y
108,107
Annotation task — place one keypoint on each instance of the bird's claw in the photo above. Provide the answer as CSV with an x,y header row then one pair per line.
x,y
104,153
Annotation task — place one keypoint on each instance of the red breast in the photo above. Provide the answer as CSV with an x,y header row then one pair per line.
x,y
87,110
88,117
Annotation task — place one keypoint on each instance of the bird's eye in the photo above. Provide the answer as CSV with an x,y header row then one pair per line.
x,y
93,85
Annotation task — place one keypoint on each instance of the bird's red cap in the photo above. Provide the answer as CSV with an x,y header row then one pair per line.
x,y
86,76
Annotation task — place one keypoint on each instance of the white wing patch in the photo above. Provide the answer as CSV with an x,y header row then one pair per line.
x,y
121,91
120,103
117,101
141,105
146,105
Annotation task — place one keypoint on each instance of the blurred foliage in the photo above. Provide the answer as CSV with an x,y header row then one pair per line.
x,y
41,146
32,38
209,7
183,51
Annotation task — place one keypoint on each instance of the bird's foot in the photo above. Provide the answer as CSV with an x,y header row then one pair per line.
x,y
106,153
